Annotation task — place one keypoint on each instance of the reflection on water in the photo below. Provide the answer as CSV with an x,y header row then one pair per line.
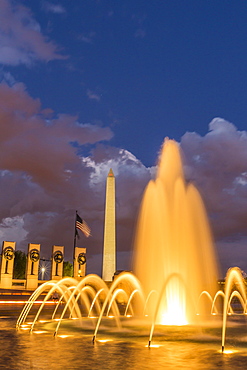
x,y
20,350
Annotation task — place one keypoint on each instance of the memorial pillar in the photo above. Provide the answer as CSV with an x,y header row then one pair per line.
x,y
7,264
32,269
79,263
57,262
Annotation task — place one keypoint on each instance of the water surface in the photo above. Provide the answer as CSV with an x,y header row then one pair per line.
x,y
21,350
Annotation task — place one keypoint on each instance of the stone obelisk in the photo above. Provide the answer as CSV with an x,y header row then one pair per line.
x,y
109,252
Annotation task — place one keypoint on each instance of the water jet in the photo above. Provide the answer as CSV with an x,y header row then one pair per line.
x,y
173,242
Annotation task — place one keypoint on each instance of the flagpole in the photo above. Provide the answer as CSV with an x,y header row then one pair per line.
x,y
75,230
74,239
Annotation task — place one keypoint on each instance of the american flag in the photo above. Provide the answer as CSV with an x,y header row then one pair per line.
x,y
83,226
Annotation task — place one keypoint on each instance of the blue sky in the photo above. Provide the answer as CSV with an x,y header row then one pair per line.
x,y
160,67
90,84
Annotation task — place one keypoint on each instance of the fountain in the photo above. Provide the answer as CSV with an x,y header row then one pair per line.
x,y
174,253
175,269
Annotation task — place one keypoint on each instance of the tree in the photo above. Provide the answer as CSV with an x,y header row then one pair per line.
x,y
19,265
67,269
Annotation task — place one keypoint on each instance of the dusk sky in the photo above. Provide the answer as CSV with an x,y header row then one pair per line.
x,y
91,85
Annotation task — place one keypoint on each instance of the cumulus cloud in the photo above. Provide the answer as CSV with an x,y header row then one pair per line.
x,y
21,39
39,160
44,179
12,229
217,163
32,137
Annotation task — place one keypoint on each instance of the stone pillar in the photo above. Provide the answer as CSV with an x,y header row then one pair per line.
x,y
57,262
109,252
7,264
32,269
79,263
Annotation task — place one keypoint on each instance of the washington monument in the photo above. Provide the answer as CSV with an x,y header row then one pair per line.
x,y
109,252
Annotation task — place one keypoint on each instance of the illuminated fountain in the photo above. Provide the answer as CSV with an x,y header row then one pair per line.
x,y
175,269
174,254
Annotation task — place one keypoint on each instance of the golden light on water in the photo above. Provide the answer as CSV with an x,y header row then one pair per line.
x,y
39,331
228,351
104,340
170,318
23,302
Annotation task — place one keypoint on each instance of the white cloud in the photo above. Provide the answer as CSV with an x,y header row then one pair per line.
x,y
93,95
87,37
12,229
219,125
53,8
120,161
8,78
21,40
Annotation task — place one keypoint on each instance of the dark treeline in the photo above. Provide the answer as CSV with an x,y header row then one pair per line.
x,y
20,266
